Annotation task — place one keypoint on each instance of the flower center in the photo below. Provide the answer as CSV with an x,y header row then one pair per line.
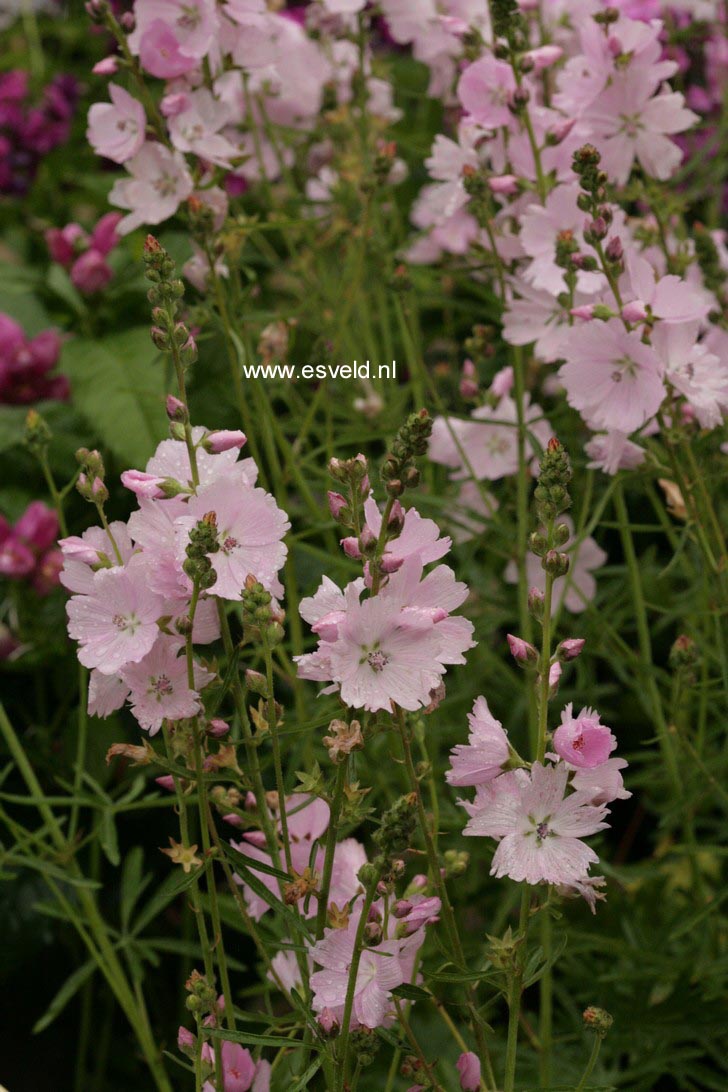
x,y
228,543
127,623
377,660
542,831
190,17
160,685
165,185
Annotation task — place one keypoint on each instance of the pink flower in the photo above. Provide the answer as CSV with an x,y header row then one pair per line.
x,y
224,440
628,123
160,182
540,227
116,623
379,972
308,820
611,377
602,784
192,30
196,128
486,445
484,90
171,460
240,1072
583,741
160,53
669,298
250,530
468,1067
83,554
116,128
539,830
158,685
694,370
418,538
144,485
483,757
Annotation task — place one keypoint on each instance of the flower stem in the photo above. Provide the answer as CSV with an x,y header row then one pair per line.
x,y
590,1064
343,1043
331,835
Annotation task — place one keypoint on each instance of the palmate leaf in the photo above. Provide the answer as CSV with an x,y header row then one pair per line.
x,y
119,387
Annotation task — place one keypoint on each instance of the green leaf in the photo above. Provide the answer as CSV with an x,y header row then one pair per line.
x,y
119,387
133,884
305,1078
410,992
167,891
72,985
254,1039
108,836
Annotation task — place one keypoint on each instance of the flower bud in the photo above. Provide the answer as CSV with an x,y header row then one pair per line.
x,y
521,651
468,1067
338,506
569,649
598,1020
634,311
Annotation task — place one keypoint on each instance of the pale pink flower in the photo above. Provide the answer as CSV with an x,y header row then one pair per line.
x,y
193,27
384,655
484,90
486,445
143,485
171,460
84,554
116,128
159,183
159,688
536,316
379,972
106,693
602,784
472,511
240,1072
196,128
694,371
613,451
308,820
669,298
626,123
540,227
419,537
583,740
250,530
483,757
611,376
160,53
539,830
579,586
116,624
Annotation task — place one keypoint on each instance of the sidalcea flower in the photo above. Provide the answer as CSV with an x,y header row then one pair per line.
x,y
250,530
116,624
485,754
158,685
484,90
539,829
380,971
240,1072
116,128
583,740
159,183
611,376
26,364
308,821
486,445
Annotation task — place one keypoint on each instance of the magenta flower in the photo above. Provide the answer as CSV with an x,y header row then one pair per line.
x,y
483,757
539,831
583,740
116,624
25,364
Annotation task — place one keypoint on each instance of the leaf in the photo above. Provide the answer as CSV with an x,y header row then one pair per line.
x,y
119,387
410,992
305,1078
72,985
132,884
242,865
108,836
167,891
255,1039
61,285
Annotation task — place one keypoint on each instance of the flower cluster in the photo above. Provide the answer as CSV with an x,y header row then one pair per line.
x,y
388,636
540,815
132,592
29,132
84,255
236,76
536,176
25,364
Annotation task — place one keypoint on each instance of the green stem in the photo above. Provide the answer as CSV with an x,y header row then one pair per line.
x,y
514,994
590,1064
331,835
